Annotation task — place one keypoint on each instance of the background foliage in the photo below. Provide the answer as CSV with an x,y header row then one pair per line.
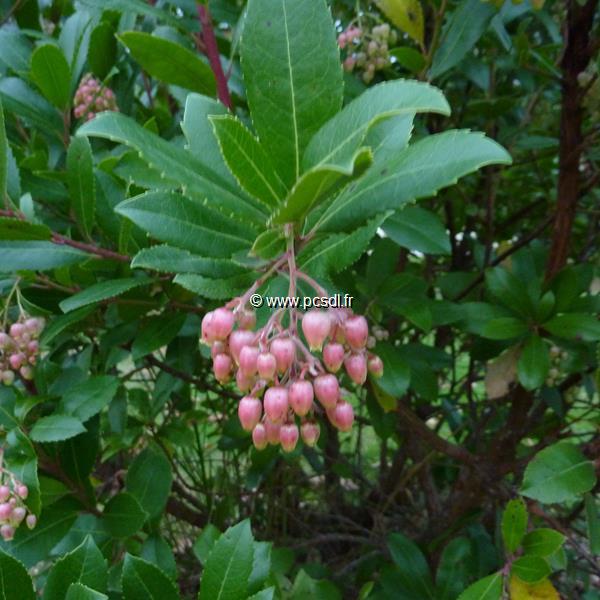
x,y
471,472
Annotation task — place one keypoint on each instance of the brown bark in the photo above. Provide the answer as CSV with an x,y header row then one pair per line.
x,y
578,51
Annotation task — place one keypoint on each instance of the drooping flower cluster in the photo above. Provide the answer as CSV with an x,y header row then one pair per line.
x,y
19,349
367,51
284,381
92,97
13,511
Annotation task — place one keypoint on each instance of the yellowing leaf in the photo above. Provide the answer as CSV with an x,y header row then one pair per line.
x,y
407,15
543,590
500,373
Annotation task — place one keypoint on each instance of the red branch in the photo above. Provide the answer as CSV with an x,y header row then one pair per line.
x,y
212,51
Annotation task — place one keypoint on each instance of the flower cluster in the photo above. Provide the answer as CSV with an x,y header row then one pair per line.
x,y
92,97
282,377
367,51
557,356
12,506
19,349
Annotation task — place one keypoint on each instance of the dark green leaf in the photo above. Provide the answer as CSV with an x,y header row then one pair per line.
x,y
77,591
82,188
56,428
17,229
86,399
593,523
37,256
418,229
542,542
411,566
531,569
102,51
50,71
101,291
123,515
156,333
144,581
574,326
534,363
15,583
504,328
158,552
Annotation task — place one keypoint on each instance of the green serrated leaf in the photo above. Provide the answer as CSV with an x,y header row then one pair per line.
x,y
155,334
82,188
56,428
15,583
514,524
248,161
169,61
144,581
37,256
50,71
77,591
101,291
88,398
215,289
299,95
557,474
123,515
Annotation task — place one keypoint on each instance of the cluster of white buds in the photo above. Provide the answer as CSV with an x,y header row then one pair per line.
x,y
13,511
556,357
19,349
282,377
91,98
367,51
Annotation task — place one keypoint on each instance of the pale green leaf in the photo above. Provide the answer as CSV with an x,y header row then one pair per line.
x,y
295,43
101,291
514,524
50,71
56,428
488,588
531,569
407,15
215,289
542,542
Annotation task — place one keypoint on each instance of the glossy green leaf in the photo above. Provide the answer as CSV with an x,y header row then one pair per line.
x,y
157,551
177,166
396,373
418,229
229,565
186,223
19,98
574,326
514,524
15,582
488,588
15,50
149,479
466,24
144,581
504,328
531,569
558,473
37,256
56,428
101,291
419,171
88,398
50,71
82,188
247,160
534,363
295,44
63,322
169,61
542,542
123,515
156,333
77,591
319,182
508,289
102,49
84,565
338,140
205,542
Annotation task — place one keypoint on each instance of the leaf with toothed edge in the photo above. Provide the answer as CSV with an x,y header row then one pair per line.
x,y
186,223
247,160
178,166
102,290
216,289
342,135
419,171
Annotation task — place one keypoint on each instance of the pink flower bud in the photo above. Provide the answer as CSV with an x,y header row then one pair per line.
x,y
272,430
208,328
16,360
284,351
310,433
18,514
342,40
375,365
333,356
249,412
301,397
31,521
4,493
222,365
244,383
26,373
349,64
288,436
33,347
5,341
222,323
266,365
22,491
218,348
247,319
248,360
276,404
8,377
343,414
356,367
327,390
237,340
34,325
7,532
17,330
356,331
316,326
5,511
259,437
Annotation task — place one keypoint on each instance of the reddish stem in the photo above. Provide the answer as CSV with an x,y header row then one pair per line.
x,y
212,51
90,248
